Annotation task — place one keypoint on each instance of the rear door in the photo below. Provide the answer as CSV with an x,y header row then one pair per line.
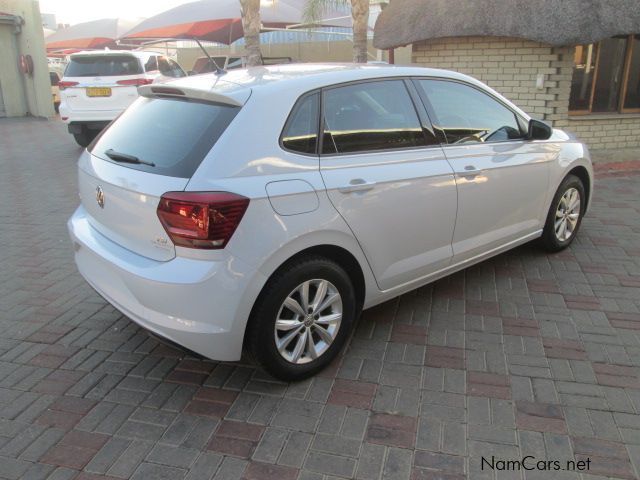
x,y
501,177
170,138
387,176
97,76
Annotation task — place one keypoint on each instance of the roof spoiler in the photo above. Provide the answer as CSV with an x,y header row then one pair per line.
x,y
170,91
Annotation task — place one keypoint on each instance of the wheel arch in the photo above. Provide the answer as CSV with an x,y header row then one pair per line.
x,y
583,174
335,245
342,257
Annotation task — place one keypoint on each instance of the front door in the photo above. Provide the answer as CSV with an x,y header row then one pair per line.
x,y
501,177
388,178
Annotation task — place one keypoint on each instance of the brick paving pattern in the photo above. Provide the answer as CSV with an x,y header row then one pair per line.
x,y
525,354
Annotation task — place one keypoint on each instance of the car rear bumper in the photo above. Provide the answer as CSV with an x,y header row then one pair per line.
x,y
78,127
69,115
200,304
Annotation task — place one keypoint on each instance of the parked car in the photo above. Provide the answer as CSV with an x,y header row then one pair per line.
x,y
267,208
224,62
98,85
54,78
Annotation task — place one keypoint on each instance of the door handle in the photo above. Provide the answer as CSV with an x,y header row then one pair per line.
x,y
357,185
470,171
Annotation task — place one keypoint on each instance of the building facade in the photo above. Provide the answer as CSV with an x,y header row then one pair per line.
x,y
25,88
585,79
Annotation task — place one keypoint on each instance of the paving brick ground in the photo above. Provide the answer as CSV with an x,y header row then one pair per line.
x,y
525,354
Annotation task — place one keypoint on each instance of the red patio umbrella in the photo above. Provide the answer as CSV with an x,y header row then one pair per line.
x,y
221,20
94,34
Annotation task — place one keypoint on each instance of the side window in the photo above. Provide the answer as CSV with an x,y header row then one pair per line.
x,y
165,67
370,116
176,69
466,115
234,62
300,134
152,64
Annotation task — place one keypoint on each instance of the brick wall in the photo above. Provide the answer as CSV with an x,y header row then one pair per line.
x,y
511,65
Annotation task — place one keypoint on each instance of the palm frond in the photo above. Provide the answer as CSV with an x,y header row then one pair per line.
x,y
314,9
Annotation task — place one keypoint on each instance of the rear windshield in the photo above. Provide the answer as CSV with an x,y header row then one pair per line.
x,y
102,66
174,135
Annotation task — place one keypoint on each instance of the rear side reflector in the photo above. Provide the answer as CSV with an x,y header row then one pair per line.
x,y
65,84
136,82
205,220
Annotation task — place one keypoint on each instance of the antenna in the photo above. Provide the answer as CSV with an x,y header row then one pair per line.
x,y
219,71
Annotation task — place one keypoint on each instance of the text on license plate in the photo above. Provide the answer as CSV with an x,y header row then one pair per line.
x,y
98,92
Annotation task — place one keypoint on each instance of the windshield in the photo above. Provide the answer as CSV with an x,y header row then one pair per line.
x,y
102,66
166,136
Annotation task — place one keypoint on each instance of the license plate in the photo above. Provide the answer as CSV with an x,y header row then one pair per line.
x,y
98,92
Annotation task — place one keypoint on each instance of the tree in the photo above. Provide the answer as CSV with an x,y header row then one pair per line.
x,y
251,26
360,15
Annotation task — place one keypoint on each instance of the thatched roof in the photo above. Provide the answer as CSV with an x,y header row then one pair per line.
x,y
556,22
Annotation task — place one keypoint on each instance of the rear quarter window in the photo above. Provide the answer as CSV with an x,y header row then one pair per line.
x,y
103,66
300,133
173,134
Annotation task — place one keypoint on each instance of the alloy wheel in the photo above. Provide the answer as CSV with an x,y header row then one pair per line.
x,y
567,214
308,321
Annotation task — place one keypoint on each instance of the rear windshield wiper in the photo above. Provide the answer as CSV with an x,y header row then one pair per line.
x,y
123,157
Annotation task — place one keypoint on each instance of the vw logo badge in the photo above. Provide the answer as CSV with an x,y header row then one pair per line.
x,y
100,196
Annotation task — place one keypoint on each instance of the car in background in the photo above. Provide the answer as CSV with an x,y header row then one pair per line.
x,y
98,85
224,62
267,207
54,78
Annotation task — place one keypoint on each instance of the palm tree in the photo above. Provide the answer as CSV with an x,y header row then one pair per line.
x,y
251,27
360,15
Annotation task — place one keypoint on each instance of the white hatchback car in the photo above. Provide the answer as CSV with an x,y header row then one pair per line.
x,y
99,84
267,207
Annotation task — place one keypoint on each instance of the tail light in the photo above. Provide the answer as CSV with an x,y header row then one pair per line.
x,y
62,84
204,220
135,82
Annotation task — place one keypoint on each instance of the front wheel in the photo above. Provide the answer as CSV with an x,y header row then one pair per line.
x,y
302,318
565,215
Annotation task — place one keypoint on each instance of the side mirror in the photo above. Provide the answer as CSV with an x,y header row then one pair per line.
x,y
539,130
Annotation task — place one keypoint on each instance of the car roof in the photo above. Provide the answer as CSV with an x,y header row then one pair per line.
x,y
135,53
299,78
307,76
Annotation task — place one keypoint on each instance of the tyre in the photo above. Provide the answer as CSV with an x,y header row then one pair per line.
x,y
86,136
302,318
565,215
83,139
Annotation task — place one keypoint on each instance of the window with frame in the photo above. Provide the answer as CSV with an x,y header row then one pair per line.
x,y
169,68
606,77
152,64
369,116
300,133
467,115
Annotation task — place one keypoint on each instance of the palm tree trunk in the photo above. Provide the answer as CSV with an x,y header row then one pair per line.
x,y
360,14
251,27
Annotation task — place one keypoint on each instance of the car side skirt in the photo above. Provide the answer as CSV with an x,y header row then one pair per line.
x,y
385,295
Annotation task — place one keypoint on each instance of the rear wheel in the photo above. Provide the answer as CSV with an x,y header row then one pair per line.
x,y
302,318
565,215
85,137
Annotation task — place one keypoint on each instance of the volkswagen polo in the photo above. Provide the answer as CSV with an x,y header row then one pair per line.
x,y
267,207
